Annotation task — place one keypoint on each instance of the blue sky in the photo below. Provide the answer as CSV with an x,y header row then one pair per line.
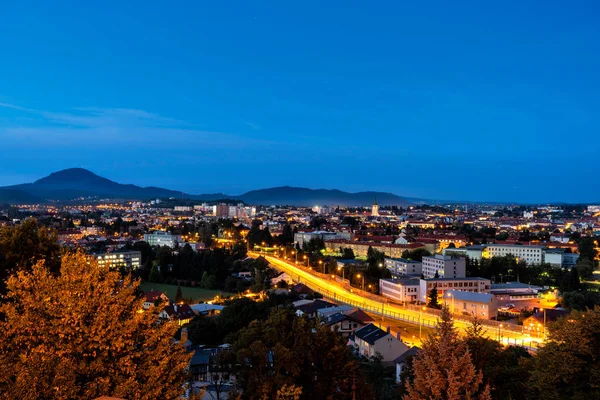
x,y
446,100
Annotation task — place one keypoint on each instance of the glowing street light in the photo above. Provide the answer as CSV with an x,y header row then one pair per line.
x,y
421,321
363,280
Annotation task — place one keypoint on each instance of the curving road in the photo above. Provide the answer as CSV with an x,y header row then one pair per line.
x,y
333,289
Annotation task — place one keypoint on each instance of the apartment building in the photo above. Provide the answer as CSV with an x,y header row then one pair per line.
x,y
443,266
401,267
533,255
475,285
160,238
400,290
483,305
129,260
361,249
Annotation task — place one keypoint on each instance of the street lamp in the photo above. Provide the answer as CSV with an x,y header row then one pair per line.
x,y
321,263
421,320
363,280
452,297
307,261
500,333
342,269
544,331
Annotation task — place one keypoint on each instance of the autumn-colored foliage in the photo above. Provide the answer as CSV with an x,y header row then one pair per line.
x,y
82,334
443,369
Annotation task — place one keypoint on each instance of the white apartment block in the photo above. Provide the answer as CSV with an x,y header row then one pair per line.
x,y
445,266
533,255
483,305
160,238
401,267
400,290
129,260
475,285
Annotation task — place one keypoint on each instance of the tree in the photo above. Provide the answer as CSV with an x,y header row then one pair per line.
x,y
81,335
443,368
433,298
288,350
155,276
23,245
178,295
587,248
501,367
568,365
287,236
347,253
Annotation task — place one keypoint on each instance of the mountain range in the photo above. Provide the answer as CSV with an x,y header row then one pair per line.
x,y
75,183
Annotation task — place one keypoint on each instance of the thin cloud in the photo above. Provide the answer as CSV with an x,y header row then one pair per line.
x,y
252,125
95,117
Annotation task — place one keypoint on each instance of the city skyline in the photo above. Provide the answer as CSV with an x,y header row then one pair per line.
x,y
491,104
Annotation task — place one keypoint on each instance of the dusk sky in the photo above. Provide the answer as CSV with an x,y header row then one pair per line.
x,y
443,100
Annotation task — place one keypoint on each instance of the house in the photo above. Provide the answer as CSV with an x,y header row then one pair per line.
x,y
370,340
483,305
403,361
327,311
302,290
152,296
281,277
346,323
207,309
203,367
311,309
536,324
181,313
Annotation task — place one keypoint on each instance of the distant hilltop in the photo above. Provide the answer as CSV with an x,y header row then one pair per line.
x,y
74,183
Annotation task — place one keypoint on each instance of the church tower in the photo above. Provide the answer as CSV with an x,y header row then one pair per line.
x,y
375,209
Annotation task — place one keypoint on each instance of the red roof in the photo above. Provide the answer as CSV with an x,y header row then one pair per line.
x,y
153,295
179,311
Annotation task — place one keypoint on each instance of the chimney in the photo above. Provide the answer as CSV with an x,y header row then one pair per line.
x,y
397,335
388,329
184,336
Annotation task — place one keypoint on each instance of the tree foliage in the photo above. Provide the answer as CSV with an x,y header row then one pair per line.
x,y
286,350
432,298
23,245
80,335
568,366
443,368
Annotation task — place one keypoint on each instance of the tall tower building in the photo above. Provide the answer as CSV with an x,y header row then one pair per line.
x,y
375,209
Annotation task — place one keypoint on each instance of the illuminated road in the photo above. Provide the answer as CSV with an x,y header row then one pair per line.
x,y
333,289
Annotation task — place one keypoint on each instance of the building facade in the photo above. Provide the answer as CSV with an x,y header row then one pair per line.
x,y
160,238
475,285
130,260
400,290
444,266
401,267
533,255
482,305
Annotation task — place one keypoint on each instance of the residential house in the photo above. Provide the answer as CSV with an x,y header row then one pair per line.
x,y
536,324
206,309
483,305
152,296
403,361
180,313
347,323
311,309
371,340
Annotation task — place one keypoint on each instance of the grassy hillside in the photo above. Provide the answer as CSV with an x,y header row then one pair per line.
x,y
198,294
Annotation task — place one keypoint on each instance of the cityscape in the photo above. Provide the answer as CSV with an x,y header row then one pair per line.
x,y
336,201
